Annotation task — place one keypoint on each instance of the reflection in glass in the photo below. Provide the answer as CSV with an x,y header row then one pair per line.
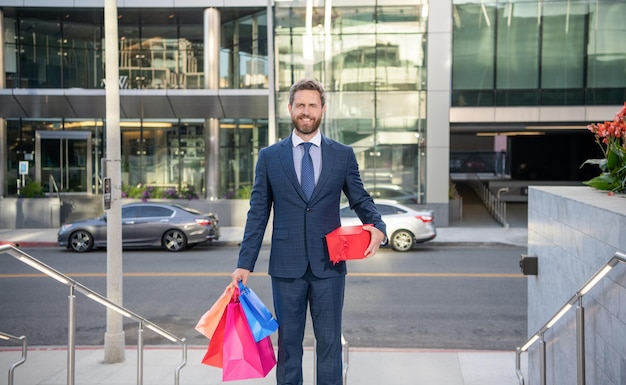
x,y
372,63
607,46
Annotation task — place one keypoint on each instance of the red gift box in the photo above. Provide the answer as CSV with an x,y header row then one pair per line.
x,y
347,242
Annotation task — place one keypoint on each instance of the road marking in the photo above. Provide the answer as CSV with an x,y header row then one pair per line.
x,y
208,274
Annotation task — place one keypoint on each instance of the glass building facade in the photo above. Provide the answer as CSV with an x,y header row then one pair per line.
x,y
529,53
402,77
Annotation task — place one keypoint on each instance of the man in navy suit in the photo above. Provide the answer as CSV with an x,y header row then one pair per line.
x,y
301,270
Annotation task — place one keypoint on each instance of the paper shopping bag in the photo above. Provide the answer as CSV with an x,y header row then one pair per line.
x,y
347,242
214,355
243,357
261,321
209,321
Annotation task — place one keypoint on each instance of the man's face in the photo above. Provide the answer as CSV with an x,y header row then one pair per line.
x,y
306,111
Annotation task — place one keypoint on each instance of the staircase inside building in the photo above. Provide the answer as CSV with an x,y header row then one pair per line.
x,y
476,214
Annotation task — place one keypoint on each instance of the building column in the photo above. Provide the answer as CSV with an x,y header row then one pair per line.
x,y
439,84
212,26
3,122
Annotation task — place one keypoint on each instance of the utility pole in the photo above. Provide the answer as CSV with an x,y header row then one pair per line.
x,y
114,335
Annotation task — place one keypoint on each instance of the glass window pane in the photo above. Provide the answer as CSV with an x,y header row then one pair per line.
x,y
82,61
40,53
607,46
240,142
563,44
193,52
518,46
473,47
400,20
10,53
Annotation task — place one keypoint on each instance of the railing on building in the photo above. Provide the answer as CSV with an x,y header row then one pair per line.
x,y
494,204
575,300
78,287
53,187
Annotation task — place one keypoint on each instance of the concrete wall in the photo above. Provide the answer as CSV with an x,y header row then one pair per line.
x,y
574,231
17,213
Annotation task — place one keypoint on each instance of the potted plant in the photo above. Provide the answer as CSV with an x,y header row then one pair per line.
x,y
611,137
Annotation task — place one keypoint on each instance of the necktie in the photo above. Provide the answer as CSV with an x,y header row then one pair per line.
x,y
307,176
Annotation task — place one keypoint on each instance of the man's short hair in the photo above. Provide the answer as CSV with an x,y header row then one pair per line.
x,y
307,84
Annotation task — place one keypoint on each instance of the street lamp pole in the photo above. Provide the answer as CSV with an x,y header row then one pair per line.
x,y
114,335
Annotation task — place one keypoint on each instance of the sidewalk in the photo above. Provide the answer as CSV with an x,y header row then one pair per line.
x,y
48,365
233,235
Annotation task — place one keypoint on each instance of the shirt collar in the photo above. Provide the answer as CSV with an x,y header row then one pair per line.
x,y
316,140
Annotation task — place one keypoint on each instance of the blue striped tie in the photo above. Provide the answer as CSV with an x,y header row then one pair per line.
x,y
307,177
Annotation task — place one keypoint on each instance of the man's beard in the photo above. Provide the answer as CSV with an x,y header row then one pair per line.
x,y
304,130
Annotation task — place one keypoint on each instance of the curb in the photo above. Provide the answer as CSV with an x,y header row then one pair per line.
x,y
29,244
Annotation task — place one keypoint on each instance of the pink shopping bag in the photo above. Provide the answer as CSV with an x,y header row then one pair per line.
x,y
243,358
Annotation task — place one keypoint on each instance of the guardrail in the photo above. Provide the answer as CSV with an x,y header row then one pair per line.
x,y
576,299
94,296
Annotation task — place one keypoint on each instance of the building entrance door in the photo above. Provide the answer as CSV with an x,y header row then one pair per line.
x,y
63,158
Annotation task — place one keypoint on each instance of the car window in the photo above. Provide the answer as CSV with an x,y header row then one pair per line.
x,y
155,211
130,212
386,194
389,210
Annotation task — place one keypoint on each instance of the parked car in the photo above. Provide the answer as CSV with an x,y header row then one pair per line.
x,y
145,224
405,226
391,192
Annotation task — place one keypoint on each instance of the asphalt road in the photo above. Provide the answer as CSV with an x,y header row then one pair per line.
x,y
470,297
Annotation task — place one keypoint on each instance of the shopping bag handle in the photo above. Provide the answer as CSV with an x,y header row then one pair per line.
x,y
242,288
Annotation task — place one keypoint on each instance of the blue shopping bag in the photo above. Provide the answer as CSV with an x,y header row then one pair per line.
x,y
262,323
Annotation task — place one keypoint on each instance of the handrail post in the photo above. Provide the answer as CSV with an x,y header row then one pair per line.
x,y
71,337
24,342
580,343
182,364
518,365
542,360
140,353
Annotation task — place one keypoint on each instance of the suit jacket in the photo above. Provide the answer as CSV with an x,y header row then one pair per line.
x,y
299,226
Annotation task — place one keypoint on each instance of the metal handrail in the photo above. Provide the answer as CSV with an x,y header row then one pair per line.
x,y
52,186
94,296
495,206
576,299
23,340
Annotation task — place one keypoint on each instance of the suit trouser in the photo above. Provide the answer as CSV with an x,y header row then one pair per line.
x,y
325,298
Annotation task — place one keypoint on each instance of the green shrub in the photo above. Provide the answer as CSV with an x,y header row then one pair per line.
x,y
32,190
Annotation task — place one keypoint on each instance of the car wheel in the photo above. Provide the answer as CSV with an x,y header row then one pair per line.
x,y
81,241
174,240
402,240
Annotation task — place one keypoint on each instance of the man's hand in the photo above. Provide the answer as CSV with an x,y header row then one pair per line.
x,y
242,275
376,239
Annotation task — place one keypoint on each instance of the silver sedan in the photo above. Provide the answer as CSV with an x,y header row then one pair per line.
x,y
171,226
405,226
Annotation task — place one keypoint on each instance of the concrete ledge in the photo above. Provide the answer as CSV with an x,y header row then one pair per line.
x,y
574,231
